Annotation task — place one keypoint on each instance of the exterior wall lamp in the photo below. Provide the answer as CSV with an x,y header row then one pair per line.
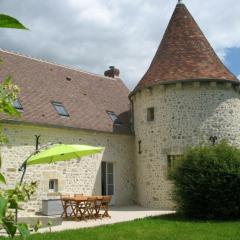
x,y
213,140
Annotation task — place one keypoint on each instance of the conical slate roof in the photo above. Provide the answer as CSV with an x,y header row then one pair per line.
x,y
184,54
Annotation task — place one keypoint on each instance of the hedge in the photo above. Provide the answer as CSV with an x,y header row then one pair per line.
x,y
207,182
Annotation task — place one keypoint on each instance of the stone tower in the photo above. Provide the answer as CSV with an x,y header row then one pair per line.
x,y
186,96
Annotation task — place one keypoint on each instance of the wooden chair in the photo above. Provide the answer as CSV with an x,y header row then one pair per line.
x,y
67,204
98,205
89,210
81,209
105,206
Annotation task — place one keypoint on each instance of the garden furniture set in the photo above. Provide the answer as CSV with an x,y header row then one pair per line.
x,y
82,207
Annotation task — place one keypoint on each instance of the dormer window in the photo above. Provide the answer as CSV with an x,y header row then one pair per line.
x,y
17,104
61,110
114,117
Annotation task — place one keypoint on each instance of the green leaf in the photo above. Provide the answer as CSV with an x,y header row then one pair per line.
x,y
38,225
10,227
8,94
23,229
2,179
11,110
10,22
3,207
8,80
13,204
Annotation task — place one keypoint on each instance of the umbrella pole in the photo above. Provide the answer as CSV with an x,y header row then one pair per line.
x,y
23,168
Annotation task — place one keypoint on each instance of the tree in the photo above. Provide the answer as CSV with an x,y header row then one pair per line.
x,y
8,91
10,199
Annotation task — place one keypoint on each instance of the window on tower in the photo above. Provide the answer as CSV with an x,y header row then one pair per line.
x,y
150,114
172,162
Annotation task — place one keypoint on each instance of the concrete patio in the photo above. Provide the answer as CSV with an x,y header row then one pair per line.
x,y
118,214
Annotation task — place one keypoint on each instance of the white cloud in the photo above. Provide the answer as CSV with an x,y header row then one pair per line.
x,y
94,34
93,11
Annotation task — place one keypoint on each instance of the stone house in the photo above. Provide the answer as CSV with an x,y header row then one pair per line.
x,y
186,96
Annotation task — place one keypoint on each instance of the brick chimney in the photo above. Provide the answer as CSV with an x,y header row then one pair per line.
x,y
112,72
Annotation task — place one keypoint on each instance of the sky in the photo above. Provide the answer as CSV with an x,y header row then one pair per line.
x,y
94,34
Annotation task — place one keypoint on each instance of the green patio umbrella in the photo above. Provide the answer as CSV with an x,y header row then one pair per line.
x,y
59,152
62,152
56,153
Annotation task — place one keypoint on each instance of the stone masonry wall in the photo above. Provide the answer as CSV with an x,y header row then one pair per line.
x,y
74,176
185,114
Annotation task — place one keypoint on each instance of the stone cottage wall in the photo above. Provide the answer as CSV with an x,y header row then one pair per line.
x,y
185,114
75,176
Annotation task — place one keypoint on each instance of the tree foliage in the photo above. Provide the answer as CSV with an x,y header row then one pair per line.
x,y
10,200
8,94
8,91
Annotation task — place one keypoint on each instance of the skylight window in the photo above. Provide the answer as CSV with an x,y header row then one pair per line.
x,y
114,117
17,104
61,110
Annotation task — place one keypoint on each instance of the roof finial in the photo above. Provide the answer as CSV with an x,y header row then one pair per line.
x,y
179,1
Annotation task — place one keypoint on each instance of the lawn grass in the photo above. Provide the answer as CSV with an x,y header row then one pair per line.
x,y
169,227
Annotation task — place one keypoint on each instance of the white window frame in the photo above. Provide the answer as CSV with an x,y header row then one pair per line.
x,y
53,185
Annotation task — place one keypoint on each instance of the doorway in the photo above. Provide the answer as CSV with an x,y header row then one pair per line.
x,y
108,180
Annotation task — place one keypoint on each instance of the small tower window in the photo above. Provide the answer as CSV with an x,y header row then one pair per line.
x,y
172,161
17,104
150,114
53,185
61,110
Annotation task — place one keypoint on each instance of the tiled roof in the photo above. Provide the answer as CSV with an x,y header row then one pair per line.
x,y
85,96
184,54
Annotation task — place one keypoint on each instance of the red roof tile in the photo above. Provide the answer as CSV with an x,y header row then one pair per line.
x,y
85,96
184,54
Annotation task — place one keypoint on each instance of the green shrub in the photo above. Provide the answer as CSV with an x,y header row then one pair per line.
x,y
207,182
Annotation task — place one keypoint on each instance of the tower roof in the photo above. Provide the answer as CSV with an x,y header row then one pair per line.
x,y
184,54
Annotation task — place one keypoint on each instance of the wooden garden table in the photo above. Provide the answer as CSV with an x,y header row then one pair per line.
x,y
77,204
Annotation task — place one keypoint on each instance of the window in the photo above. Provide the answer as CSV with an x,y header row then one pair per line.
x,y
150,114
53,185
60,109
114,117
17,104
107,178
172,161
